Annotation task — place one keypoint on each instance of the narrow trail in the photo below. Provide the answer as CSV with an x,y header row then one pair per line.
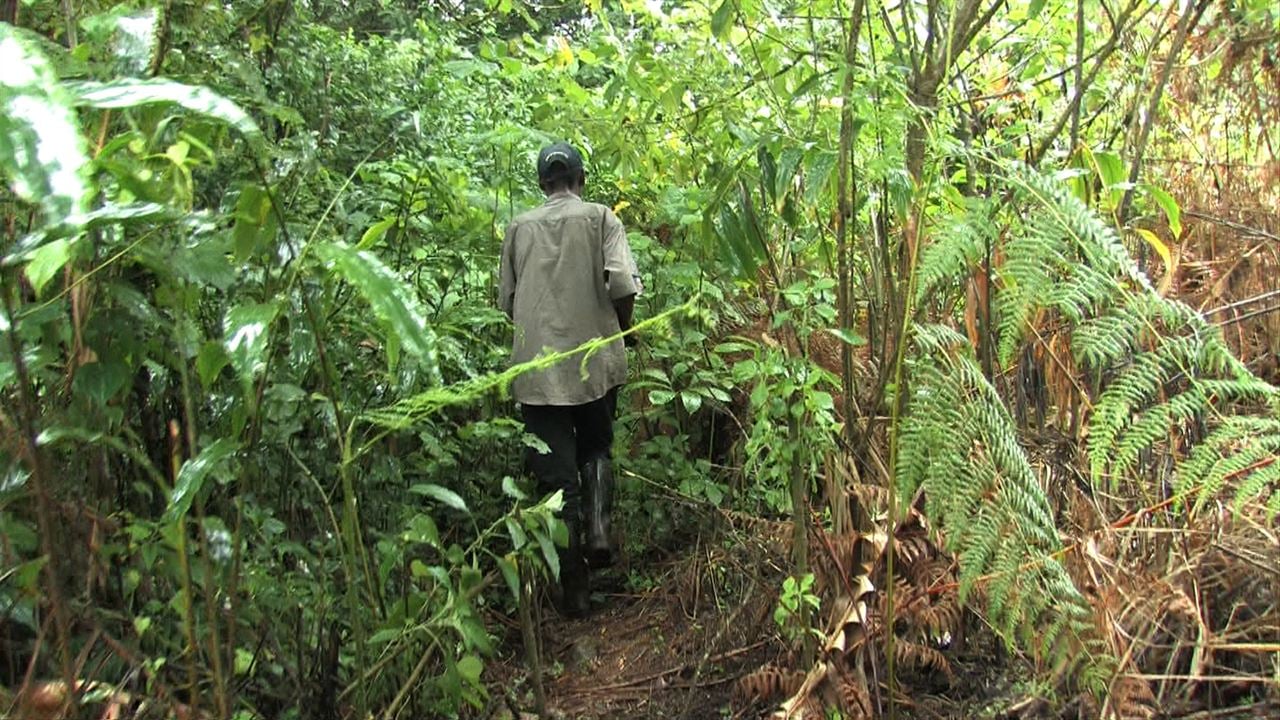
x,y
680,649
672,651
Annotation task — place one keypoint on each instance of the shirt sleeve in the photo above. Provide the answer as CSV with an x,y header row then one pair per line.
x,y
621,276
507,273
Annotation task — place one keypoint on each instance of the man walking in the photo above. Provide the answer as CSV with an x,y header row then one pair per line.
x,y
566,277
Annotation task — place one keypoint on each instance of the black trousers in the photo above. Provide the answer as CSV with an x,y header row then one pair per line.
x,y
576,434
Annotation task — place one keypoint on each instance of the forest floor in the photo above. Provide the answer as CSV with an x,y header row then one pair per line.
x,y
671,653
681,649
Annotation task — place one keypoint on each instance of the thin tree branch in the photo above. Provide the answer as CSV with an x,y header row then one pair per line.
x,y
1195,10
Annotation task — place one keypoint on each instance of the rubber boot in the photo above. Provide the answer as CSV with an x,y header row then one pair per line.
x,y
575,592
597,500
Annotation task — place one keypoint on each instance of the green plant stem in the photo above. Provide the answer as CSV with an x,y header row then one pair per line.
x,y
414,675
799,487
27,415
212,604
844,214
529,631
1190,17
179,529
895,412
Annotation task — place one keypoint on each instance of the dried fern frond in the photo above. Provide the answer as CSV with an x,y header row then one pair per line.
x,y
1131,699
766,684
922,657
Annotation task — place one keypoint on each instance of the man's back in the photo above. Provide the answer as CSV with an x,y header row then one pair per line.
x,y
562,266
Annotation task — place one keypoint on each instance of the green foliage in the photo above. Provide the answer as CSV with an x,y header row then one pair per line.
x,y
1242,449
958,445
41,151
1166,369
247,310
787,393
796,602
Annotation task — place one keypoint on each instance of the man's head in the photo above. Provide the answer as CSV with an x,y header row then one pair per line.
x,y
560,168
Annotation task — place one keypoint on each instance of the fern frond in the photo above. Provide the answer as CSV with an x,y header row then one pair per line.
x,y
961,242
958,443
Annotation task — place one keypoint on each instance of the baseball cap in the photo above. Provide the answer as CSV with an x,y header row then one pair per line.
x,y
558,158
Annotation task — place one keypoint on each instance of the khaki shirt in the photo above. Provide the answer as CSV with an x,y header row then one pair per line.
x,y
562,267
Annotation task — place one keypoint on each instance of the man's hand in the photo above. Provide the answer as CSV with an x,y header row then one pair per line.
x,y
624,307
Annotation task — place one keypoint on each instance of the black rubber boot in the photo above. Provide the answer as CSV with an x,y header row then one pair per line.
x,y
575,591
597,500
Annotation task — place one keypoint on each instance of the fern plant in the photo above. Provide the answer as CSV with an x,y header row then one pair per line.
x,y
1160,370
958,444
1166,369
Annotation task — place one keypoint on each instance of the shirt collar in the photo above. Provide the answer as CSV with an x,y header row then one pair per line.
x,y
560,196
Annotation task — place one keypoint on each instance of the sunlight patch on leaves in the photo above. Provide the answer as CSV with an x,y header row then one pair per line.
x,y
41,152
132,93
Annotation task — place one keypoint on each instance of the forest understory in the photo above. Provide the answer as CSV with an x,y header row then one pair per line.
x,y
955,390
701,641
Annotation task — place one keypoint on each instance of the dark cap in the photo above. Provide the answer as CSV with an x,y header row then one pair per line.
x,y
558,159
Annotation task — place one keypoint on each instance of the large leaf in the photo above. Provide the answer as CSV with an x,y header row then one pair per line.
x,y
394,303
46,261
133,92
442,494
721,18
42,153
193,474
245,341
1172,211
255,222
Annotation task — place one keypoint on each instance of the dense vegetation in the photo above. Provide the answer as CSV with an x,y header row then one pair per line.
x,y
935,304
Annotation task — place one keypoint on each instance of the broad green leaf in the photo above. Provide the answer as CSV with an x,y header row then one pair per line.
x,y
510,573
375,233
1165,254
422,529
210,361
848,336
721,18
46,261
194,473
788,162
393,302
443,494
733,236
805,86
817,172
768,174
751,223
691,401
133,92
470,667
518,537
113,214
1172,211
246,331
42,154
511,489
549,553
26,575
101,380
661,397
1110,169
255,222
